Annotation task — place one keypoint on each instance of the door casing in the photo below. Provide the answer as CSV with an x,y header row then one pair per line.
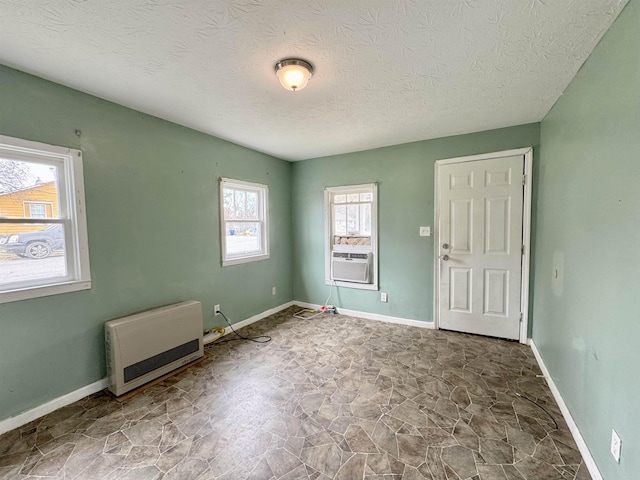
x,y
527,152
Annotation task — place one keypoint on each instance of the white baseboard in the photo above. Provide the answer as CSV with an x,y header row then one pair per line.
x,y
577,436
46,408
257,317
373,316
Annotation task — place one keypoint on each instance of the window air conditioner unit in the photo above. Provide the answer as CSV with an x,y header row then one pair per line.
x,y
351,267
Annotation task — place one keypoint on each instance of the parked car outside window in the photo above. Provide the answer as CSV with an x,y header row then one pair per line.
x,y
39,244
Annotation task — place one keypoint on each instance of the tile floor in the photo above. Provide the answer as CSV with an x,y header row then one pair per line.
x,y
330,398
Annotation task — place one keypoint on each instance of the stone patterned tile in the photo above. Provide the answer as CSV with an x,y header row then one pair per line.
x,y
460,460
352,468
582,472
174,455
339,398
51,464
496,452
512,473
187,468
103,466
570,454
358,440
491,472
143,473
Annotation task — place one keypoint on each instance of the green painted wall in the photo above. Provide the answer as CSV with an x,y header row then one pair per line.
x,y
587,320
152,203
405,202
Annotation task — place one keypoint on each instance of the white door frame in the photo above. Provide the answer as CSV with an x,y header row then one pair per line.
x,y
526,231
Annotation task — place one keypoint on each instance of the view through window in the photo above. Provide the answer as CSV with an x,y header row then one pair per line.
x,y
352,216
25,190
38,221
244,221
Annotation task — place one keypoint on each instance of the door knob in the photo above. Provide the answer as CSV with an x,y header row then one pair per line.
x,y
444,257
445,246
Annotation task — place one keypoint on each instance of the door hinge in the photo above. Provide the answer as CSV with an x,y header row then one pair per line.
x,y
520,317
524,179
522,249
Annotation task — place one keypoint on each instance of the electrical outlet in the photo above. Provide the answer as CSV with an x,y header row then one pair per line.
x,y
616,445
216,309
383,296
425,231
273,290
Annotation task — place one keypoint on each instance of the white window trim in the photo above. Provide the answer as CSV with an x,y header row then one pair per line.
x,y
328,233
265,220
74,220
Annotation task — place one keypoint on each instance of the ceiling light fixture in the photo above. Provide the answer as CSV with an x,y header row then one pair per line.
x,y
294,73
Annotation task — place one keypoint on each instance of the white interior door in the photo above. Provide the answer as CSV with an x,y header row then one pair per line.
x,y
480,246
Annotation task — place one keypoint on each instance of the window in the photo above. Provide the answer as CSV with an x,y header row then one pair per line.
x,y
351,236
43,235
37,210
245,227
351,215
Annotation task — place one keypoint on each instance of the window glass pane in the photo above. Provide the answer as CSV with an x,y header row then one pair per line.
x,y
352,197
31,252
37,210
252,211
229,204
340,199
244,223
366,197
340,220
243,237
365,216
353,224
23,184
240,204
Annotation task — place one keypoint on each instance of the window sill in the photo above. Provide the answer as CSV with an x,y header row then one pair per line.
x,y
357,286
43,291
237,261
352,248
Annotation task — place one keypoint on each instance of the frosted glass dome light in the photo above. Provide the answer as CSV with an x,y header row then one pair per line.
x,y
293,73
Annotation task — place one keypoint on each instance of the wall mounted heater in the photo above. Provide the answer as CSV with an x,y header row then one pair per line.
x,y
147,345
351,267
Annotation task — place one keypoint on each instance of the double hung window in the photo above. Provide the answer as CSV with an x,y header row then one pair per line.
x,y
43,235
351,236
244,218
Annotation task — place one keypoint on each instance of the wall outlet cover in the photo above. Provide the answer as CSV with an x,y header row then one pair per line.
x,y
216,309
383,296
616,445
425,231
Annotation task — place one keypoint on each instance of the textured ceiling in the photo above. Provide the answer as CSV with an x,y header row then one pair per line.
x,y
387,71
